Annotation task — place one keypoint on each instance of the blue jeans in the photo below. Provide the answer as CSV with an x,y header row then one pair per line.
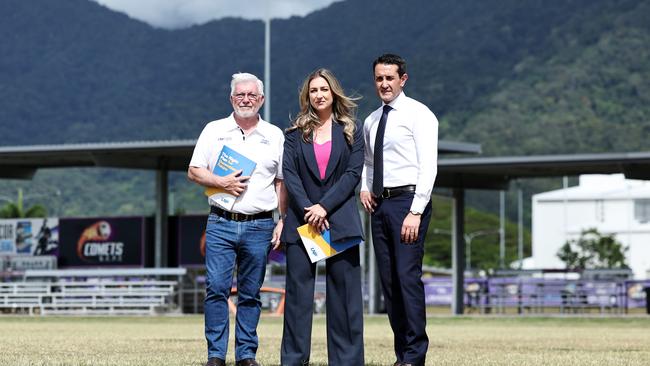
x,y
247,244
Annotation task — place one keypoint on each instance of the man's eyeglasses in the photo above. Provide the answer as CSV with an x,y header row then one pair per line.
x,y
240,96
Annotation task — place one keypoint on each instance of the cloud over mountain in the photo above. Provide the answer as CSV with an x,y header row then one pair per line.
x,y
184,13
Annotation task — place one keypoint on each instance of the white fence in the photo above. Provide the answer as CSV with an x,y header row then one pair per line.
x,y
90,292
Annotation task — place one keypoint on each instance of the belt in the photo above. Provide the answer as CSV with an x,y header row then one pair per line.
x,y
234,216
396,191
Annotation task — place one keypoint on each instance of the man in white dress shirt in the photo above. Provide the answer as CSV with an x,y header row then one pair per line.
x,y
244,233
399,171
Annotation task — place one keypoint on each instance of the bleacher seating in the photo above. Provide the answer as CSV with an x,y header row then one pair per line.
x,y
526,295
88,292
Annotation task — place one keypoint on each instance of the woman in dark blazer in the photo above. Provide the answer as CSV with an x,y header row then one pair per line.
x,y
322,163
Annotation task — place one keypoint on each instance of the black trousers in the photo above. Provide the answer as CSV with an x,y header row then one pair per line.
x,y
344,308
400,271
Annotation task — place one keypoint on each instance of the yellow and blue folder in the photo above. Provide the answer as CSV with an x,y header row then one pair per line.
x,y
319,246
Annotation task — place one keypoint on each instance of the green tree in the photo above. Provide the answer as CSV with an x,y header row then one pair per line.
x,y
484,248
593,250
16,209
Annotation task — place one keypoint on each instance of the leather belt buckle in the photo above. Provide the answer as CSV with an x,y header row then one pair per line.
x,y
386,193
236,216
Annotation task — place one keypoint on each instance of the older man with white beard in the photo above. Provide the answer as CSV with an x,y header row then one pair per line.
x,y
244,233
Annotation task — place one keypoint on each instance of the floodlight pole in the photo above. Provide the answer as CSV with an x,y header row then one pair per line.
x,y
267,64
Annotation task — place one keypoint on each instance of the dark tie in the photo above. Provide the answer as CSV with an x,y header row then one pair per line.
x,y
378,169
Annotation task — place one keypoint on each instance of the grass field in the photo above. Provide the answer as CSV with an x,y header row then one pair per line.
x,y
454,341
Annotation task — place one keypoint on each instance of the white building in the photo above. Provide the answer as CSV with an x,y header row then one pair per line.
x,y
609,203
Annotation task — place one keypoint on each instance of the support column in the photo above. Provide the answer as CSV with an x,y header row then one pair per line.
x,y
161,219
502,229
520,226
374,295
363,262
458,252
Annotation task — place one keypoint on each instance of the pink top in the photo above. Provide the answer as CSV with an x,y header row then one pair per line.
x,y
322,153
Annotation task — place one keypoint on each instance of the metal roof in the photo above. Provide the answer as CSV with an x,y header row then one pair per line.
x,y
475,172
495,172
599,187
23,161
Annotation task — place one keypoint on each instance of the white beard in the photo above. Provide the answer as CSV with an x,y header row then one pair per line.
x,y
245,113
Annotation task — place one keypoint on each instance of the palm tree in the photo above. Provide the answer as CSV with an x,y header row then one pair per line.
x,y
16,209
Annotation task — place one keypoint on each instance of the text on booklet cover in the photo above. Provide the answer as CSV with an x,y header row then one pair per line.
x,y
229,161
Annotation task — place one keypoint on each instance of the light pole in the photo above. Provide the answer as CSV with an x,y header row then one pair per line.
x,y
267,63
468,241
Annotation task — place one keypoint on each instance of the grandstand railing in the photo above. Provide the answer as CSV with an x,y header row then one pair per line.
x,y
94,291
521,295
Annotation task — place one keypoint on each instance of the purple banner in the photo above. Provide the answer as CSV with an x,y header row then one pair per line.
x,y
100,242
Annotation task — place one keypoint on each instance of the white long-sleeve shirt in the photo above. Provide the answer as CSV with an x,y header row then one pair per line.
x,y
410,148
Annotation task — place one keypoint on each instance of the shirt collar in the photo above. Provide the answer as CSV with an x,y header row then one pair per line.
x,y
395,103
261,127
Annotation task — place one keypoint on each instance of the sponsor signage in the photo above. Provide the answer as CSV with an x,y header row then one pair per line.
x,y
102,242
29,236
25,262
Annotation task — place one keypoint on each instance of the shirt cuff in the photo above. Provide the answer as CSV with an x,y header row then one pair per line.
x,y
418,204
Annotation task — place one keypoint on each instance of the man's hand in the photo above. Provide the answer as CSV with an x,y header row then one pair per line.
x,y
275,240
368,201
410,228
316,216
233,183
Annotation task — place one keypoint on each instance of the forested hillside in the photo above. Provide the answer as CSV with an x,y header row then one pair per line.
x,y
517,76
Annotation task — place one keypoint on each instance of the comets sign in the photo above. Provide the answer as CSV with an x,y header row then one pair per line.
x,y
102,242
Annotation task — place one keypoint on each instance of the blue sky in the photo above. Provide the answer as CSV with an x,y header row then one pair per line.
x,y
184,13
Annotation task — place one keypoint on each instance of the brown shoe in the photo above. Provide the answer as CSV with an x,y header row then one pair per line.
x,y
214,361
247,362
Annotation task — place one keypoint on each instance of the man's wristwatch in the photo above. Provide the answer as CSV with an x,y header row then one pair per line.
x,y
415,213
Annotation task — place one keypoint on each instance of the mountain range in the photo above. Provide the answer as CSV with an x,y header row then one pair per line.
x,y
519,77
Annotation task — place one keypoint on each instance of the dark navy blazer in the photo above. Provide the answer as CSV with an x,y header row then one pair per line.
x,y
336,193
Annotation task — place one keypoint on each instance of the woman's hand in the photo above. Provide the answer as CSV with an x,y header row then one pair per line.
x,y
316,216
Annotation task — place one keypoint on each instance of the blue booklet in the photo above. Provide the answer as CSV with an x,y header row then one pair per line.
x,y
319,246
229,161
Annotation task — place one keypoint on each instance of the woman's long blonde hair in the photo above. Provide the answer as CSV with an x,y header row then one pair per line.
x,y
343,108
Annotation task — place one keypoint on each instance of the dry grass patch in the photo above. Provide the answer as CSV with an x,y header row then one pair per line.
x,y
462,341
